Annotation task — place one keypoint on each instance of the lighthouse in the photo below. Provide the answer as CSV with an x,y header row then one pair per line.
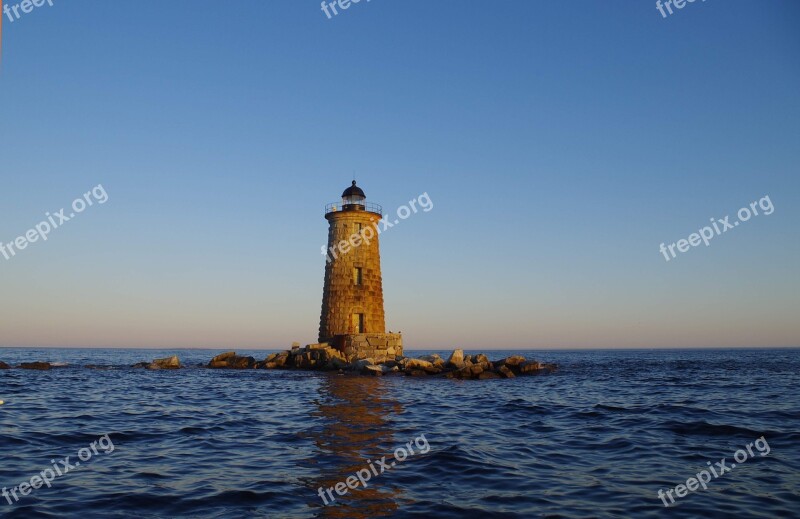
x,y
353,319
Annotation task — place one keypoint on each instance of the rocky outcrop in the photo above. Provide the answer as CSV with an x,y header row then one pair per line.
x,y
3,365
230,360
41,366
168,363
317,356
323,357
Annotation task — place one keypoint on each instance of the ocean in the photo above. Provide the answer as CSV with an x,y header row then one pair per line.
x,y
598,438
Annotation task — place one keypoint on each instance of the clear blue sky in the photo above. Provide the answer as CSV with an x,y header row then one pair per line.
x,y
561,143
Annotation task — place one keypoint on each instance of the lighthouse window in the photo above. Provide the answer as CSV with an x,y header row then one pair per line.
x,y
358,227
358,278
358,323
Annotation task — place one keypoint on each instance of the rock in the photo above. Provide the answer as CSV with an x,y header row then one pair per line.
x,y
337,363
529,367
464,373
281,359
430,358
439,364
41,366
3,365
514,360
456,359
230,360
141,365
372,370
224,356
362,363
324,357
331,359
418,364
506,372
243,362
304,359
168,363
548,368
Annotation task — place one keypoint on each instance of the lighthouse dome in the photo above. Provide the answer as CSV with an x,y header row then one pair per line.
x,y
354,192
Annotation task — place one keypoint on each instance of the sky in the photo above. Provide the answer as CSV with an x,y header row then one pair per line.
x,y
561,143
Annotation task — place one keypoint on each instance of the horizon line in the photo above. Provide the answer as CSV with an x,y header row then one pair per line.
x,y
578,348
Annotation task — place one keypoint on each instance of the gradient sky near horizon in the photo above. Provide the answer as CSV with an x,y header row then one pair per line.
x,y
560,142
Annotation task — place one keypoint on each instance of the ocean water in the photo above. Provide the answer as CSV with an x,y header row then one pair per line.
x,y
599,438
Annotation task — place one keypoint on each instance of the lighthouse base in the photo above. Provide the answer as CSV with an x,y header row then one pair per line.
x,y
380,347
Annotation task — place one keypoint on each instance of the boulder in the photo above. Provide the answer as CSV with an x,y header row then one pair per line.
x,y
3,365
476,370
222,357
168,363
431,358
304,359
331,358
527,368
418,364
372,370
481,359
230,360
41,366
514,360
416,373
336,364
547,368
427,366
456,359
281,359
464,373
242,362
363,363
506,372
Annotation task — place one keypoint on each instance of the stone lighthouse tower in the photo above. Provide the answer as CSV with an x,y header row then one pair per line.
x,y
352,319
